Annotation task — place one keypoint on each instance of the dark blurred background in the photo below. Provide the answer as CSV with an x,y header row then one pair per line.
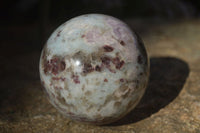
x,y
30,22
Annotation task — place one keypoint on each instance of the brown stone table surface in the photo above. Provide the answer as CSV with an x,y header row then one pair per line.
x,y
171,103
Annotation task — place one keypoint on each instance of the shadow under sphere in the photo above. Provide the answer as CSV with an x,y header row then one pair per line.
x,y
167,77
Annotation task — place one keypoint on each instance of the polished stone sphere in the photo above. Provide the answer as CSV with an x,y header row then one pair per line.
x,y
94,69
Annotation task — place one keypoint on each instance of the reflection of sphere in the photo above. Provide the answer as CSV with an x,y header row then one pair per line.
x,y
94,69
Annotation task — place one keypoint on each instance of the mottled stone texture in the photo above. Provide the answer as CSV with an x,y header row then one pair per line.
x,y
171,102
94,69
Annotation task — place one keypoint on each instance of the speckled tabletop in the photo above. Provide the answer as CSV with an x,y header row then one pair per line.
x,y
171,102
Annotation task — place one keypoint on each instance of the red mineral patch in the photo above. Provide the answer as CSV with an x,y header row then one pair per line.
x,y
82,36
105,80
58,88
118,63
55,78
121,80
122,43
118,66
47,67
108,48
58,78
116,60
106,61
98,68
55,65
87,68
112,71
75,79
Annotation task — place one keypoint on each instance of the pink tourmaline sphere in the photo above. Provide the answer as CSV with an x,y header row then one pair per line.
x,y
94,69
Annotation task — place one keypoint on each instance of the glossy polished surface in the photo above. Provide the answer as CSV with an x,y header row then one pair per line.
x,y
94,69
